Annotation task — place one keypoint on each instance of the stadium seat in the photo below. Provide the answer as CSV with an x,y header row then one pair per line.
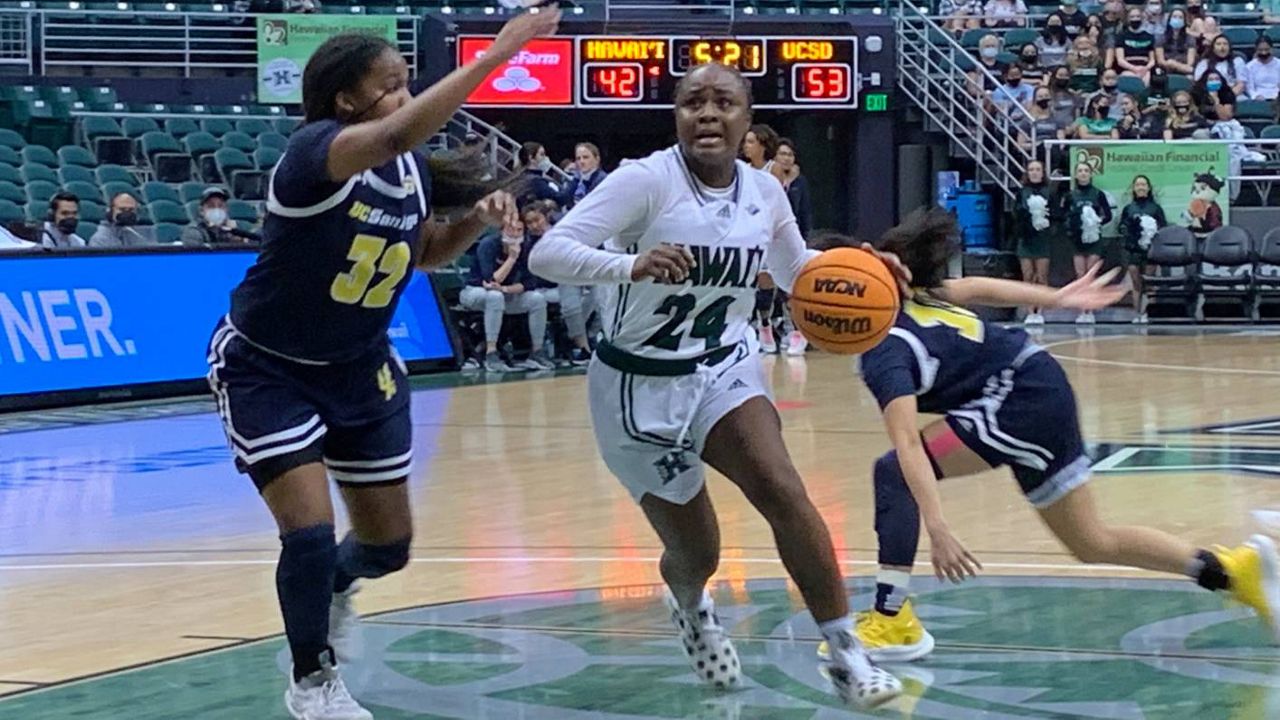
x,y
240,141
286,125
11,212
1177,83
1173,255
10,97
1007,58
11,192
84,228
191,191
36,211
1018,37
75,173
9,173
164,211
1270,132
156,191
35,172
9,156
136,127
168,233
149,108
1226,268
969,40
84,190
96,126
217,127
229,110
1130,85
1273,34
252,127
1266,271
44,123
1255,110
11,138
193,210
115,173
76,155
242,211
239,173
92,211
180,127
59,94
1242,38
111,189
199,144
40,191
273,140
98,97
266,157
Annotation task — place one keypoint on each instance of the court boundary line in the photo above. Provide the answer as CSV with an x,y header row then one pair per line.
x,y
1149,366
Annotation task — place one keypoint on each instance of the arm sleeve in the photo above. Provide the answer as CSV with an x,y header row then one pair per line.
x,y
890,371
570,252
301,178
787,253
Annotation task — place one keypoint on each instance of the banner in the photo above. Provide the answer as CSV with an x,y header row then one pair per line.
x,y
286,42
72,323
1188,179
540,74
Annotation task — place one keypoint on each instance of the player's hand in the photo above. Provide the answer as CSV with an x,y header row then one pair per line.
x,y
1089,291
524,27
901,272
666,264
497,209
951,561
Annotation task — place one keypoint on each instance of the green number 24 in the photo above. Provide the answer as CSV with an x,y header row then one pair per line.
x,y
708,325
371,254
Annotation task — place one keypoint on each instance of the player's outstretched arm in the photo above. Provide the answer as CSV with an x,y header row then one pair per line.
x,y
1088,292
371,144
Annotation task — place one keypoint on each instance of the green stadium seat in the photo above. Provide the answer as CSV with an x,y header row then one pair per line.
x,y
9,173
273,110
158,141
199,144
92,211
40,155
76,155
355,10
84,228
970,38
136,127
84,190
266,157
217,127
180,127
286,125
75,173
149,108
40,191
390,10
1254,110
273,140
60,94
111,189
11,138
1007,58
242,211
240,141
239,173
229,109
35,172
1270,132
11,212
1178,83
1018,37
9,156
169,233
115,173
96,126
1241,38
12,192
253,127
36,210
1130,85
191,191
193,209
1273,33
165,211
155,191
10,96
166,157
98,96
44,123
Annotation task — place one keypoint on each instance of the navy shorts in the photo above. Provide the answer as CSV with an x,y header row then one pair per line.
x,y
1026,419
280,414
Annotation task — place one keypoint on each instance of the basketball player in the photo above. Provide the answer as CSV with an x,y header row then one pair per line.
x,y
305,379
676,380
1006,402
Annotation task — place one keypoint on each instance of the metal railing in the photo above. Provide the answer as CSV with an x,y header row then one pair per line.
x,y
15,41
931,73
708,16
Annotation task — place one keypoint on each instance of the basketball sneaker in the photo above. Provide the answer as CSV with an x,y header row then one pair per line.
x,y
1254,571
856,679
706,643
322,696
796,344
344,625
768,343
890,639
1085,318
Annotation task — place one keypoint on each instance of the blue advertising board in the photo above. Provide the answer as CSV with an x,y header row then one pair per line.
x,y
76,322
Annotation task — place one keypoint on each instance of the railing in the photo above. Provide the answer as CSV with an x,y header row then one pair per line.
x,y
706,17
15,41
931,74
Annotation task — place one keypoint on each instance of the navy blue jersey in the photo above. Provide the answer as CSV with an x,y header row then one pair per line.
x,y
335,255
940,353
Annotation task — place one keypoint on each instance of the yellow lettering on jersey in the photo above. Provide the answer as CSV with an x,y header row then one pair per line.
x,y
931,312
360,211
386,381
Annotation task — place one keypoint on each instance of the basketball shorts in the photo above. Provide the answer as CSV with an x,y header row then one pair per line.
x,y
651,428
1027,419
280,414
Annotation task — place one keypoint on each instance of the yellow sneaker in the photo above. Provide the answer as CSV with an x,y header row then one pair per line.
x,y
1254,571
900,638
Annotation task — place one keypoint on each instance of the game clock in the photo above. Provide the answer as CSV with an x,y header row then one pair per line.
x,y
747,55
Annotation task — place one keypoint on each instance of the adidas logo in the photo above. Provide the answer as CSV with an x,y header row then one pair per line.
x,y
737,384
724,212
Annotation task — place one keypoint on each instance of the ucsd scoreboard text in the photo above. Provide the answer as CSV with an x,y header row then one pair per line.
x,y
614,72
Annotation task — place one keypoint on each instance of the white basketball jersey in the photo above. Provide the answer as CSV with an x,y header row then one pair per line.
x,y
728,234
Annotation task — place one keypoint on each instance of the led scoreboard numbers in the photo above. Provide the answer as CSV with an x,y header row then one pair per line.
x,y
631,72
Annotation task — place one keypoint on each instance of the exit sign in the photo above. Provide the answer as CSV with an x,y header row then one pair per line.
x,y
875,102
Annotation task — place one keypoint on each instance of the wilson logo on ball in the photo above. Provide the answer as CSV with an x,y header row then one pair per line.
x,y
838,325
839,286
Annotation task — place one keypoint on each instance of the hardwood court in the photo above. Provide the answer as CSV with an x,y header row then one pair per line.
x,y
129,539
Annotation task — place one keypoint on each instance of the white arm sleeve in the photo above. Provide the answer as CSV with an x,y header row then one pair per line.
x,y
570,252
787,253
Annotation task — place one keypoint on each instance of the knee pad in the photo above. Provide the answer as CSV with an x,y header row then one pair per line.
x,y
385,559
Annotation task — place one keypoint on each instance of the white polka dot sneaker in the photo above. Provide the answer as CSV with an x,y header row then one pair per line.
x,y
706,643
856,679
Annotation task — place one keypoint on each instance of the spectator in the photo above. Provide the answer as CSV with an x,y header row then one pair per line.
x,y
1228,65
1177,51
1096,123
1158,90
1069,17
1112,18
574,301
1033,221
1013,93
214,226
1185,121
535,165
1041,119
1088,211
1029,63
1134,52
796,185
1214,97
1154,19
1139,222
960,15
1102,35
1053,43
1110,88
1005,14
1066,102
500,284
59,229
759,146
1262,73
119,228
1086,65
586,174
989,60
1135,124
1203,27
12,243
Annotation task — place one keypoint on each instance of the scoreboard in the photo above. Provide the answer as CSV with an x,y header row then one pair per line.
x,y
615,72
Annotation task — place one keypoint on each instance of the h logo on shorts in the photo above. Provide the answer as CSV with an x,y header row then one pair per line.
x,y
671,465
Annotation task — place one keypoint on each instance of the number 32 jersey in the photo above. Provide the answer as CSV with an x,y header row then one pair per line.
x,y
731,233
335,255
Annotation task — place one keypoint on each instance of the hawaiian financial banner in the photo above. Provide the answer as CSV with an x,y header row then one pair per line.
x,y
1189,179
286,42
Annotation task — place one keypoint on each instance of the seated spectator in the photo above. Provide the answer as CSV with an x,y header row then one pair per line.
x,y
119,229
1262,73
1157,90
1053,43
1096,123
214,226
1176,52
1013,93
796,185
1135,124
1102,35
1227,64
1203,27
575,301
988,59
1110,87
1066,102
1042,122
1112,16
586,174
535,165
1134,52
1004,14
1029,63
1086,65
1070,17
12,243
960,15
501,284
1214,97
59,230
1185,120
1154,19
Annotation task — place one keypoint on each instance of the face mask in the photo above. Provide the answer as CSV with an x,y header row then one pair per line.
x,y
1030,59
1176,23
1013,83
1263,54
67,226
990,52
215,216
1109,87
1060,83
125,218
1213,85
1043,102
1135,24
1182,109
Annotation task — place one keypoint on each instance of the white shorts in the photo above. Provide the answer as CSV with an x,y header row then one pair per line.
x,y
638,418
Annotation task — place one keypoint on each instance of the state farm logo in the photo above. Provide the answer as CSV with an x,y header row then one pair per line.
x,y
517,79
540,74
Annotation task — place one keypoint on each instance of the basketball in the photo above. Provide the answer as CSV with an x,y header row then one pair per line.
x,y
845,300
